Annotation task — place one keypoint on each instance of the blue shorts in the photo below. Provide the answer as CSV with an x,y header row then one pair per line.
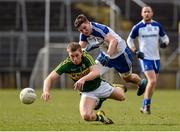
x,y
147,65
123,63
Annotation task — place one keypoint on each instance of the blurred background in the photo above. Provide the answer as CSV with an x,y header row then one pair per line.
x,y
34,35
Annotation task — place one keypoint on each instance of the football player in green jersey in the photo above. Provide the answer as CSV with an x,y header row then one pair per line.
x,y
83,70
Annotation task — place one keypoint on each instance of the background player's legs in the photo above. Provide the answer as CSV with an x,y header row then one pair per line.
x,y
152,80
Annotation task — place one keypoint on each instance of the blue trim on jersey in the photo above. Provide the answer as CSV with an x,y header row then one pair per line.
x,y
98,30
82,37
147,65
122,63
135,30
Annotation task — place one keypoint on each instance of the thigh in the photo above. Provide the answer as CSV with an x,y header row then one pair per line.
x,y
151,75
103,91
118,94
87,104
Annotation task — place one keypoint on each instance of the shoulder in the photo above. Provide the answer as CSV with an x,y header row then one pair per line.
x,y
64,63
138,25
100,27
88,57
155,23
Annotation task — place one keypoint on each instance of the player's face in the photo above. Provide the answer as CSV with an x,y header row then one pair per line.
x,y
85,28
147,14
76,56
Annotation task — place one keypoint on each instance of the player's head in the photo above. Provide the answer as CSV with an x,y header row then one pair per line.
x,y
147,13
75,52
82,24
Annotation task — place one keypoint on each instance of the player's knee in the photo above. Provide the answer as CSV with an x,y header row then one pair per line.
x,y
122,98
86,116
152,82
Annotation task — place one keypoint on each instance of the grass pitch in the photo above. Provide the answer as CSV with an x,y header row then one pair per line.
x,y
61,113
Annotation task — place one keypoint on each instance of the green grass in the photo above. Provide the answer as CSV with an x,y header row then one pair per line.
x,y
61,113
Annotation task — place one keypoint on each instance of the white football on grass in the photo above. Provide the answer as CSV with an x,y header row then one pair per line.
x,y
27,95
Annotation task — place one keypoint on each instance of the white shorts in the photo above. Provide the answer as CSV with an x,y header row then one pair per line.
x,y
103,91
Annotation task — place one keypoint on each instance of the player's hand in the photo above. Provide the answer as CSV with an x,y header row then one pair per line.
x,y
91,47
139,54
79,84
104,60
45,96
163,45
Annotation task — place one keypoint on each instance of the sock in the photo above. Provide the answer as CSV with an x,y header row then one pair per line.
x,y
99,118
146,102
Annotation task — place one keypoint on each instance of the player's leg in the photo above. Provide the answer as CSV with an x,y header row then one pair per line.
x,y
135,78
123,64
152,80
151,71
86,107
88,103
118,94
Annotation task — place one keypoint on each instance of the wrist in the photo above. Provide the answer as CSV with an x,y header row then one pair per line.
x,y
45,91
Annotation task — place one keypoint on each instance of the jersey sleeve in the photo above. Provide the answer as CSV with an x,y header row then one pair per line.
x,y
161,30
82,37
100,29
134,32
105,30
62,67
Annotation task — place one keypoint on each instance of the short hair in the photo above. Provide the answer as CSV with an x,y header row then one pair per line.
x,y
73,46
146,6
80,20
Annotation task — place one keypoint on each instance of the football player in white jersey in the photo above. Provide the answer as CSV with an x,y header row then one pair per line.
x,y
150,36
114,50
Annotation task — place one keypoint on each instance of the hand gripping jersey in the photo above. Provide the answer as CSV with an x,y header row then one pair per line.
x,y
97,37
78,71
148,37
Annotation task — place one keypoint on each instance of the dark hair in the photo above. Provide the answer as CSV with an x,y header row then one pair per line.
x,y
79,20
73,46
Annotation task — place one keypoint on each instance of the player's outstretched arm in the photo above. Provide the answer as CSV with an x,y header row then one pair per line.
x,y
47,85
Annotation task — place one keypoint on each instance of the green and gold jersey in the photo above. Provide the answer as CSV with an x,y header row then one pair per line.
x,y
78,71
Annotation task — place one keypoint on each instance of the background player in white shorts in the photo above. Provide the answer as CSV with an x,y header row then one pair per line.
x,y
83,70
114,51
149,33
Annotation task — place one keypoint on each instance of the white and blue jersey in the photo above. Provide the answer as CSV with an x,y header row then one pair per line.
x,y
149,35
122,59
97,37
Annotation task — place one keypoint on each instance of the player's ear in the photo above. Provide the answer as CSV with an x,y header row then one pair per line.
x,y
80,50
